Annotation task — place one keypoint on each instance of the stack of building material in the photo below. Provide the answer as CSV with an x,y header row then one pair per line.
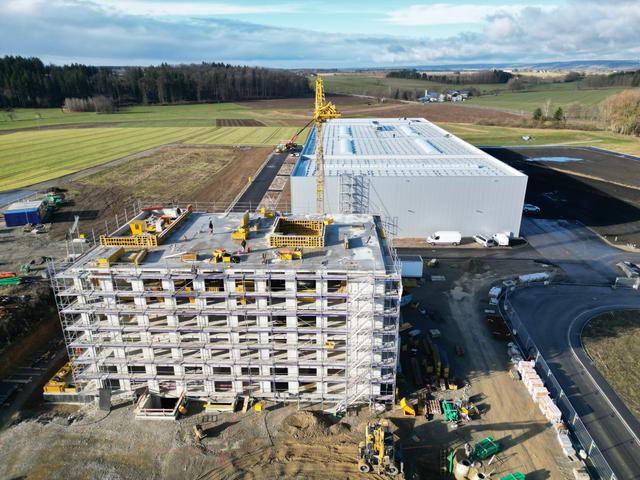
x,y
550,410
547,406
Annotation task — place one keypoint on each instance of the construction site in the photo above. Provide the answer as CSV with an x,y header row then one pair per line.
x,y
221,306
251,340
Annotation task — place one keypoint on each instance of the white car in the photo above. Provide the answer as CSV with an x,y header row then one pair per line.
x,y
484,240
444,238
529,208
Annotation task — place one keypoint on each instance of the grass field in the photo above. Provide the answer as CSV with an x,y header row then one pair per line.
x,y
612,340
200,115
494,95
495,136
35,156
527,102
379,86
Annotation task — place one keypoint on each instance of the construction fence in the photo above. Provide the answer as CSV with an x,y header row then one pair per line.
x,y
569,414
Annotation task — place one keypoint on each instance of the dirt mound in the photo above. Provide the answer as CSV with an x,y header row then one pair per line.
x,y
304,424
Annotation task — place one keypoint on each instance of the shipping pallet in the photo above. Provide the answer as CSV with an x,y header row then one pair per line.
x,y
434,407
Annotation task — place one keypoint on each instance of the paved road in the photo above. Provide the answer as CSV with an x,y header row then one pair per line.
x,y
554,316
11,196
582,254
258,188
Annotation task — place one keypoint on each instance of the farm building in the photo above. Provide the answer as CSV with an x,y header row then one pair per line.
x,y
307,311
22,213
417,176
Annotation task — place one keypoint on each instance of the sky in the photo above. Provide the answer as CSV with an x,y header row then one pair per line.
x,y
319,34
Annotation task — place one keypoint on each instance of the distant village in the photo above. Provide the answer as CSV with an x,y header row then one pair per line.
x,y
449,96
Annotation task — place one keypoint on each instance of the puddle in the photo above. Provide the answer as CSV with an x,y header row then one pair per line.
x,y
554,159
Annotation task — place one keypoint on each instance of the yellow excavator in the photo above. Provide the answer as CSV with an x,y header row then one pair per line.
x,y
379,453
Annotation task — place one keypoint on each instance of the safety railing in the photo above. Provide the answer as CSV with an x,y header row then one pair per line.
x,y
569,414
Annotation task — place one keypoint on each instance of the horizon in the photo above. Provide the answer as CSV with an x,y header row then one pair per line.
x,y
320,35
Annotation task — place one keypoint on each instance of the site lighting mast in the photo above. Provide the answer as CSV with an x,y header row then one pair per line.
x,y
322,112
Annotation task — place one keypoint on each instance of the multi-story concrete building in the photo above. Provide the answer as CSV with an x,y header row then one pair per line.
x,y
419,177
171,302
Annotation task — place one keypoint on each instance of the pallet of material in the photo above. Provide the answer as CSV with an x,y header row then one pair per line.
x,y
433,407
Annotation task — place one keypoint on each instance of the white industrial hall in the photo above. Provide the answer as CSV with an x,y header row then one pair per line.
x,y
417,176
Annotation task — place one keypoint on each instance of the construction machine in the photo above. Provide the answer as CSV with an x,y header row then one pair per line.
x,y
291,143
379,453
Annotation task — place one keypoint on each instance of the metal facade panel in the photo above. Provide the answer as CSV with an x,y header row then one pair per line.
x,y
424,205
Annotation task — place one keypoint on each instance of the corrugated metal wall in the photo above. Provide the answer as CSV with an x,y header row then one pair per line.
x,y
424,205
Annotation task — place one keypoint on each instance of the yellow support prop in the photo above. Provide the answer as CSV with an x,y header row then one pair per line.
x,y
406,406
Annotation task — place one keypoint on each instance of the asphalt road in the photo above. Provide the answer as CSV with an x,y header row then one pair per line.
x,y
582,254
252,196
554,316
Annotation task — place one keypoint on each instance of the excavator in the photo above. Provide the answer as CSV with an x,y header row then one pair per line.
x,y
379,453
322,111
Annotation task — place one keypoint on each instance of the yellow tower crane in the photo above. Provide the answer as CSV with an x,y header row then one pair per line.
x,y
322,112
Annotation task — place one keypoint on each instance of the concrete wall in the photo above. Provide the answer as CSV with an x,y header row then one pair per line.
x,y
424,205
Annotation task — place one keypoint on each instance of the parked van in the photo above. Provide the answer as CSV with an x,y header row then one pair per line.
x,y
502,239
444,238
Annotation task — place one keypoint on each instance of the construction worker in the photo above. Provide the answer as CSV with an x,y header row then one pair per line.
x,y
210,227
244,245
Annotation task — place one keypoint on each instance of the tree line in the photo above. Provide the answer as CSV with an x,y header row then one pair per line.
x,y
28,82
455,78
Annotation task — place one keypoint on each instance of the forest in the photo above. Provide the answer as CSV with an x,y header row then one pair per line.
x,y
28,82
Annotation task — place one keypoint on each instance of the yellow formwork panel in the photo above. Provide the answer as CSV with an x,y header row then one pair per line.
x,y
297,233
139,241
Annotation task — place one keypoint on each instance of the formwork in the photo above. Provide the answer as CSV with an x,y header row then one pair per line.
x,y
323,329
297,233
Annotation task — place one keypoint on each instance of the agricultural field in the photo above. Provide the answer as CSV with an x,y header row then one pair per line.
x,y
612,340
198,115
380,86
247,136
35,156
527,102
486,135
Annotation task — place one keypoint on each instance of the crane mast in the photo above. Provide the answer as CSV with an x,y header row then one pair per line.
x,y
322,112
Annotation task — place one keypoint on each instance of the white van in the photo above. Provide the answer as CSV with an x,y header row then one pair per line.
x,y
444,238
502,239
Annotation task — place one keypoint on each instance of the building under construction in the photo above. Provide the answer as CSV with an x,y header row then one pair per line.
x,y
419,177
214,306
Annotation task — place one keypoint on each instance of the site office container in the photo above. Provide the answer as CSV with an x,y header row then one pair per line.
x,y
16,216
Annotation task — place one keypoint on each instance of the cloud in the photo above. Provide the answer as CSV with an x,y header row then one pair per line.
x,y
91,31
178,9
448,13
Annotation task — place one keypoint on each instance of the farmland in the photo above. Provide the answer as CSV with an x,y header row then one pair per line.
x,y
35,156
528,101
380,86
507,136
65,143
495,96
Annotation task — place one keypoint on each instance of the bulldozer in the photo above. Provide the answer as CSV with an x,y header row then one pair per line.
x,y
379,453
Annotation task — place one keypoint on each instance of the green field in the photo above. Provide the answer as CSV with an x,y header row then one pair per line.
x,y
493,95
247,136
612,340
35,156
200,115
494,136
378,86
527,102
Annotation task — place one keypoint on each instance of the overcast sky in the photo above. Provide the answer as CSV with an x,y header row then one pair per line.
x,y
327,33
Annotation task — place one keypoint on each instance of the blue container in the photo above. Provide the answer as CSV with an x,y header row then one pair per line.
x,y
22,213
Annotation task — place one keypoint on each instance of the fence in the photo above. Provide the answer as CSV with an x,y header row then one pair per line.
x,y
569,414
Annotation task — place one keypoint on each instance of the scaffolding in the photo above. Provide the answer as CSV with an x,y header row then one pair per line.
x,y
218,331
